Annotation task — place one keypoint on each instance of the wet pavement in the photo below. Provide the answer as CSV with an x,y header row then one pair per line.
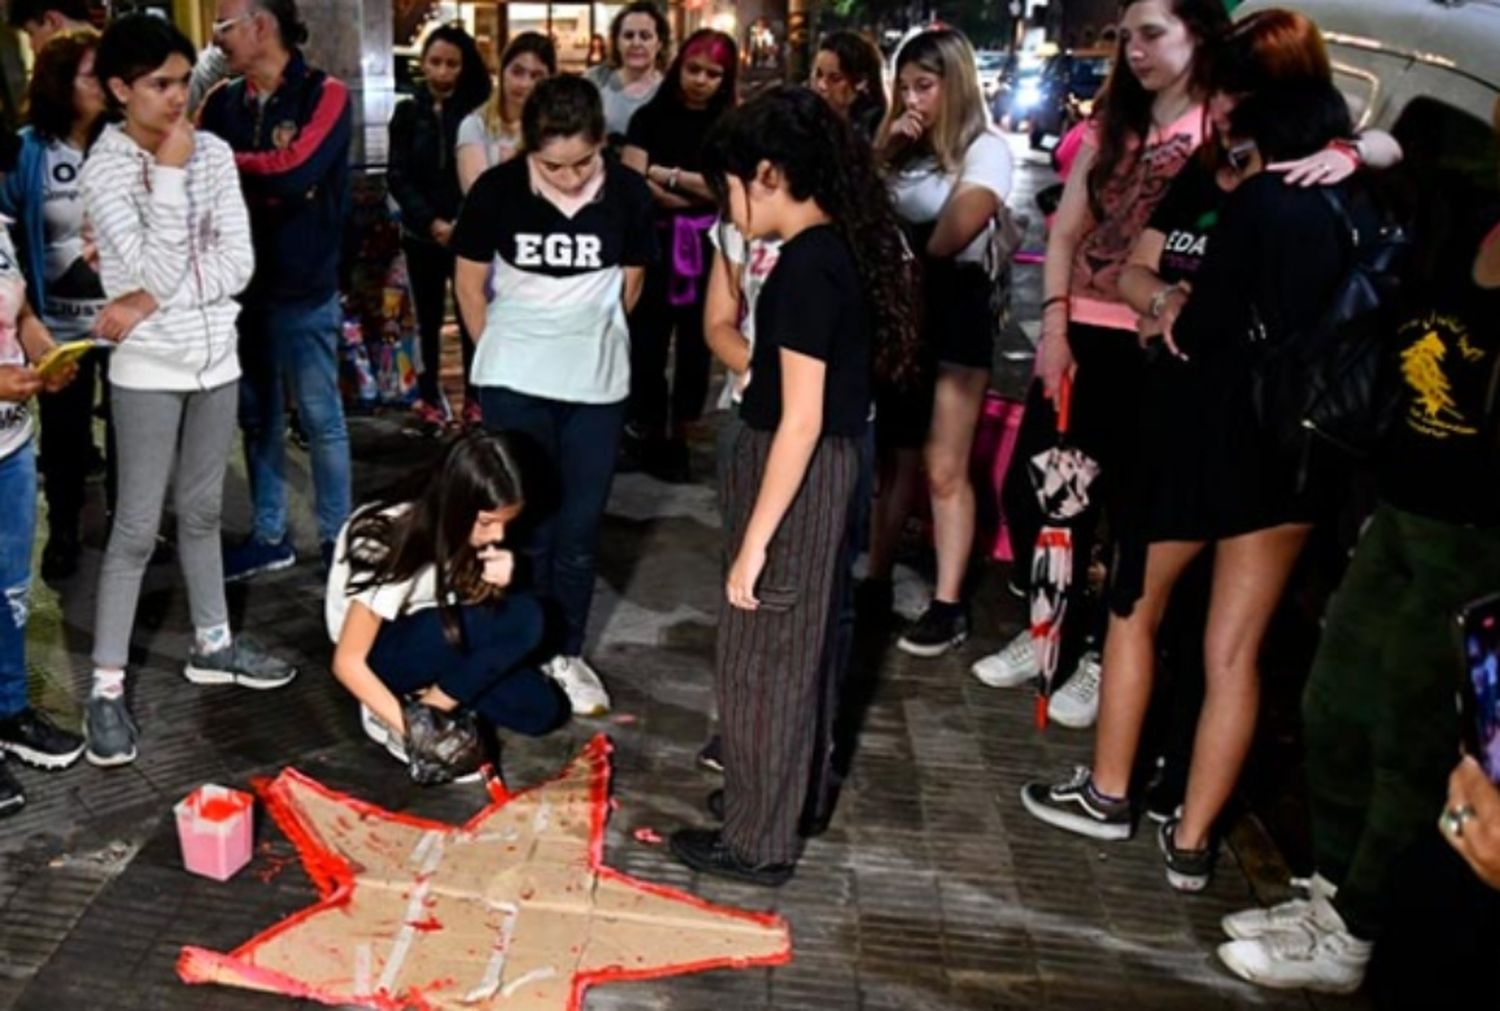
x,y
932,888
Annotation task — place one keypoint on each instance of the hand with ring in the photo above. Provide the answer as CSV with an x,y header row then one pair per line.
x,y
1471,821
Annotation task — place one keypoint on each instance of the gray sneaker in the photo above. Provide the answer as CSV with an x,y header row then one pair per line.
x,y
243,662
110,732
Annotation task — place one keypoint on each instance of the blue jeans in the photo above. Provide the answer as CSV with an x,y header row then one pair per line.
x,y
293,347
568,452
17,532
492,674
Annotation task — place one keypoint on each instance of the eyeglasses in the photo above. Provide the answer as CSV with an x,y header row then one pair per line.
x,y
221,27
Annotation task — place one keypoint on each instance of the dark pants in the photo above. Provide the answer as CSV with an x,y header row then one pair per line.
x,y
652,324
429,268
492,673
1441,936
569,458
67,445
1106,401
771,661
1378,710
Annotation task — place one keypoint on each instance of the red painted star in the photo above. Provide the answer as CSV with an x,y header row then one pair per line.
x,y
514,909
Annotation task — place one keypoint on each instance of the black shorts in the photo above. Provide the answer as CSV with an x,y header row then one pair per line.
x,y
958,319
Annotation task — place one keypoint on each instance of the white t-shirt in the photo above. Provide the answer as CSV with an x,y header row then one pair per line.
x,y
15,419
497,147
390,601
752,266
74,296
921,190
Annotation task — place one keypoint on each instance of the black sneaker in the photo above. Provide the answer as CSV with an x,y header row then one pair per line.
x,y
33,738
60,557
712,755
941,627
705,850
12,797
1187,870
1076,806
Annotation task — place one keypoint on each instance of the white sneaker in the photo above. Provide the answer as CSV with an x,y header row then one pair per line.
x,y
376,730
578,681
1252,923
1076,704
1318,954
1013,666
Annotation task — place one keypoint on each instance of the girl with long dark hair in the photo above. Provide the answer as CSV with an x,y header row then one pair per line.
x,y
1148,122
835,312
665,145
949,174
1277,253
491,135
423,179
422,614
640,44
848,73
64,105
568,235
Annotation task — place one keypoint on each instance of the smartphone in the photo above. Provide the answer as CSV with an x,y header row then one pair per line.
x,y
1479,696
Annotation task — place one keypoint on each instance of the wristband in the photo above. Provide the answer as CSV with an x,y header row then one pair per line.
x,y
1350,149
1048,303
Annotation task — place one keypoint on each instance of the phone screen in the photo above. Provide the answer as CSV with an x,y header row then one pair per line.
x,y
1481,698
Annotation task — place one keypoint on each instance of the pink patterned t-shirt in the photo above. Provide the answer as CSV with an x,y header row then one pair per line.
x,y
1128,199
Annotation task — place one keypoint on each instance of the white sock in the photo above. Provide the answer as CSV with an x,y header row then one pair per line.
x,y
108,684
213,638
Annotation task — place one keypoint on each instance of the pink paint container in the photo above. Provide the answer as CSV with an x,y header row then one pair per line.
x,y
214,826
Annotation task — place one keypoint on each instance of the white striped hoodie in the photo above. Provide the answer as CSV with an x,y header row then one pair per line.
x,y
183,235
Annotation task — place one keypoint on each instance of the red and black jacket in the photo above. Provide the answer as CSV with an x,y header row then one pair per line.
x,y
292,151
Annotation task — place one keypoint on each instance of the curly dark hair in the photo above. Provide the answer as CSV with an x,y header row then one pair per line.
x,y
50,107
388,544
1122,112
816,151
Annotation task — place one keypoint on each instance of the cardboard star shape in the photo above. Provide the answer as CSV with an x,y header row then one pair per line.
x,y
514,909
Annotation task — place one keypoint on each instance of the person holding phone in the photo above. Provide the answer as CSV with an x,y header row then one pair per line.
x,y
1378,707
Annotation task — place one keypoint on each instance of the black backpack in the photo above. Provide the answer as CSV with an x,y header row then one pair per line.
x,y
1327,382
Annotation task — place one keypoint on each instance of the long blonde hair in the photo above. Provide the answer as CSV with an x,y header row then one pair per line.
x,y
537,45
962,116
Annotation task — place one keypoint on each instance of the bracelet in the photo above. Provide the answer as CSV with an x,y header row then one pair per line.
x,y
1048,303
1159,300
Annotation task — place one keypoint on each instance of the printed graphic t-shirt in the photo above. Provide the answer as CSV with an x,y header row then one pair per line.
x,y
15,419
74,294
814,304
1442,458
1187,217
751,263
1127,201
556,327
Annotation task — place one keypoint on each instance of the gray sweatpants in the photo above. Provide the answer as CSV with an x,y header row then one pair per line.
x,y
153,428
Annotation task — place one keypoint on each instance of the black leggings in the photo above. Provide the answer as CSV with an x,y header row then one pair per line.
x,y
67,444
651,326
429,268
1106,400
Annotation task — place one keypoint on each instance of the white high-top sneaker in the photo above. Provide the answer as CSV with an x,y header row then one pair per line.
x,y
1250,923
1318,954
1013,666
580,684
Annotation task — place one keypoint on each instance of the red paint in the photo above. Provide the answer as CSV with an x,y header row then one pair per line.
x,y
221,809
648,836
427,926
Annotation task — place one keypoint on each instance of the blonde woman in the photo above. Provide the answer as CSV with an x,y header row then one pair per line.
x,y
491,135
949,174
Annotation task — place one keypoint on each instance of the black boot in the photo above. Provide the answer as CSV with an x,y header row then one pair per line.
x,y
705,850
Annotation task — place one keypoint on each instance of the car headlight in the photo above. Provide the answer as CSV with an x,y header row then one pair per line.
x,y
1027,97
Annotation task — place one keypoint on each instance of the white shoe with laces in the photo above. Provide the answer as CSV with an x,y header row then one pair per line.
x,y
1317,954
1252,923
1076,704
580,684
1013,666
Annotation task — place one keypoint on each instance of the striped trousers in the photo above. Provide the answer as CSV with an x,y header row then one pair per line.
x,y
770,661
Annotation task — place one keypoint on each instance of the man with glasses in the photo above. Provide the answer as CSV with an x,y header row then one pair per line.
x,y
289,125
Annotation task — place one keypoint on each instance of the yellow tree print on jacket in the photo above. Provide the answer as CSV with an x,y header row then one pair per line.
x,y
1421,367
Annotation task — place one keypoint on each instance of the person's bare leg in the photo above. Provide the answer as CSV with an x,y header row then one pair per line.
x,y
1250,573
900,480
1129,667
950,443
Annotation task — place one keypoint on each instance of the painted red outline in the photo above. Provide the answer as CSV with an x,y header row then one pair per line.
x,y
334,880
